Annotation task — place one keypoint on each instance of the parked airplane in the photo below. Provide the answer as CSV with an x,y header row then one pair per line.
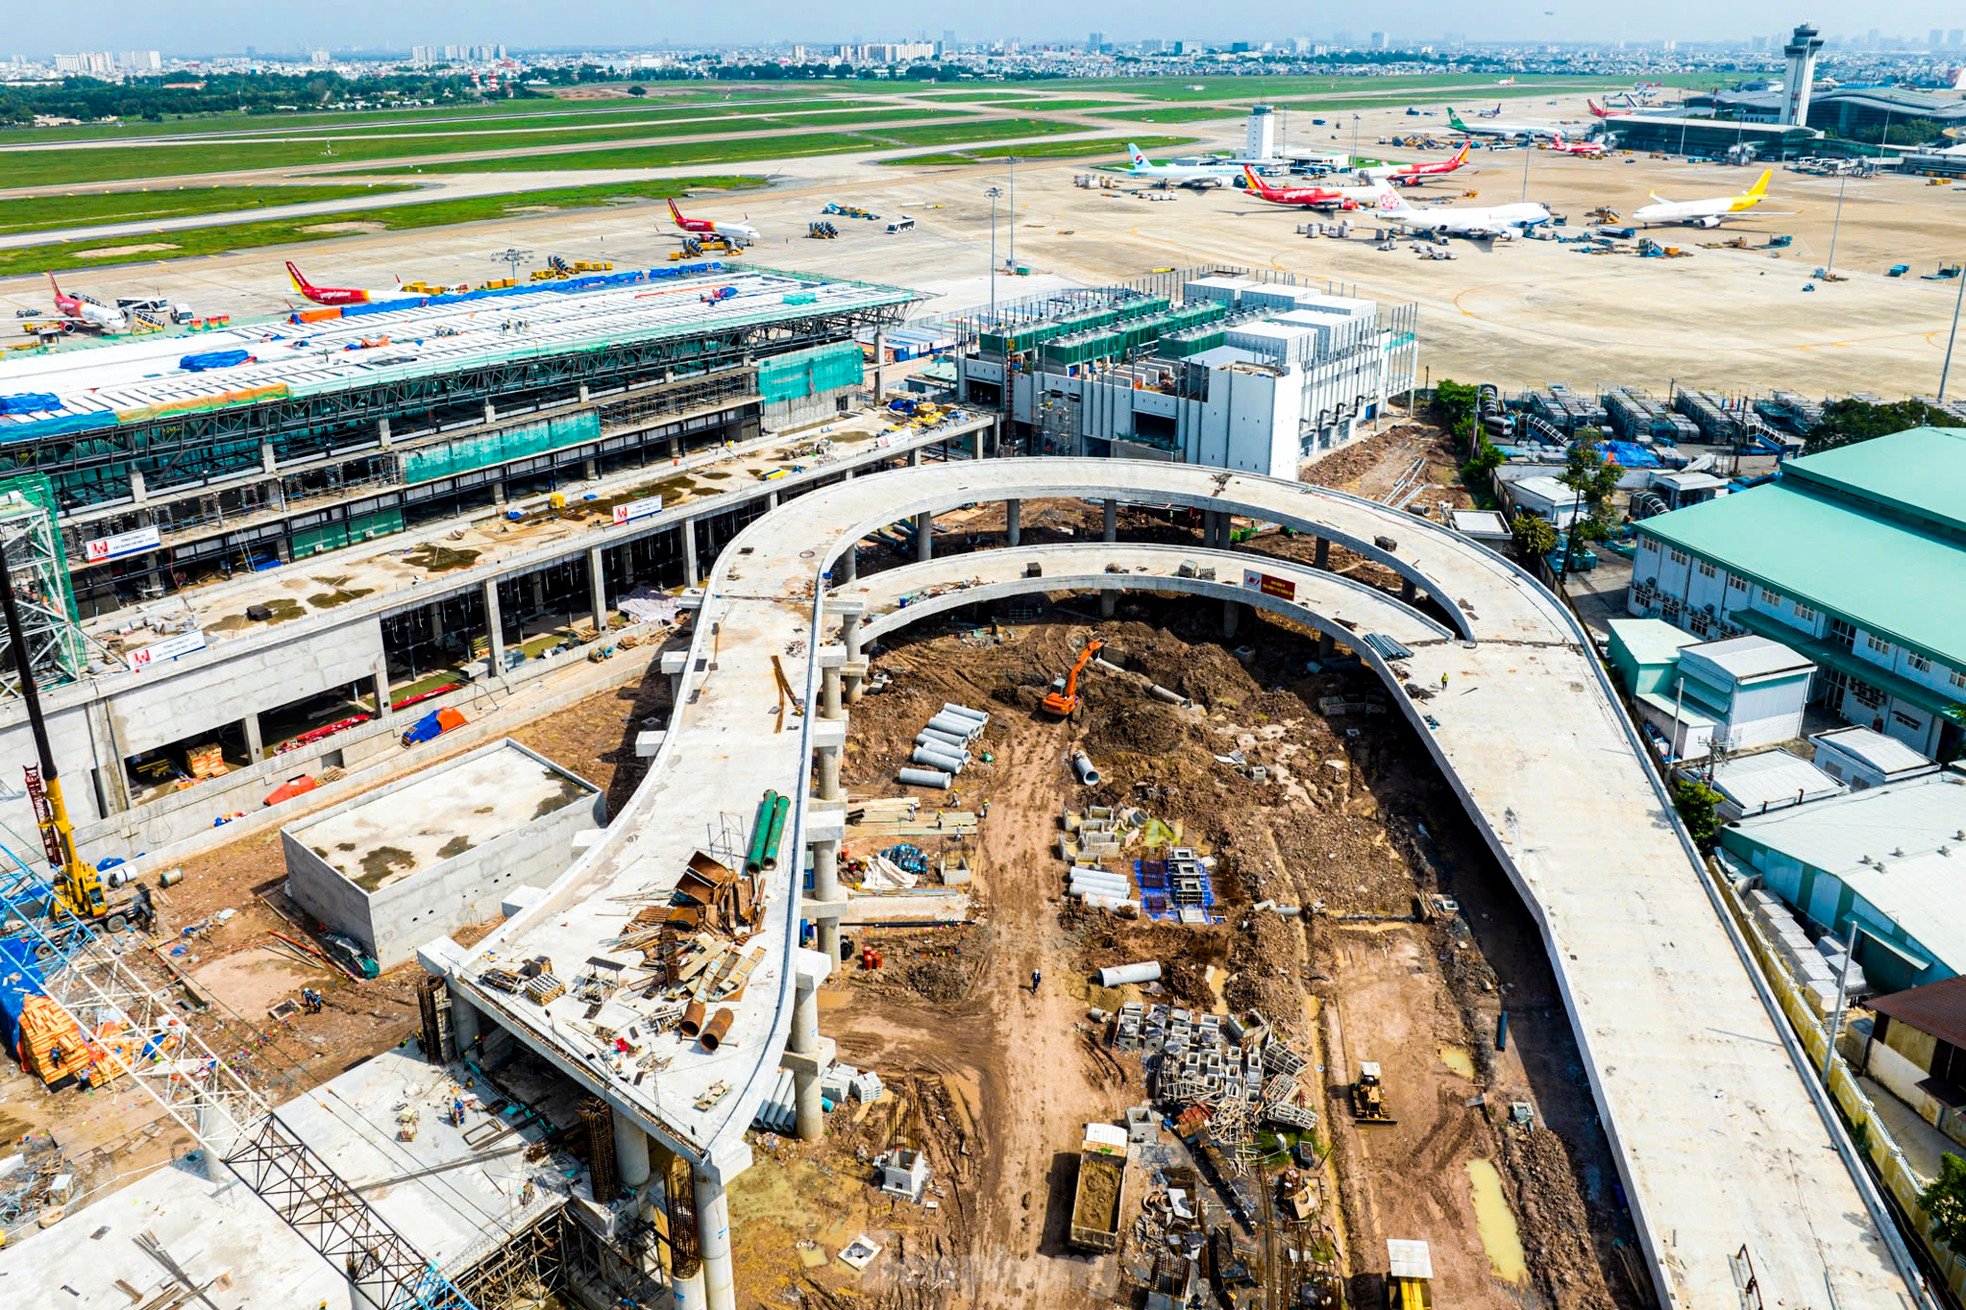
x,y
1409,173
1587,149
1317,197
1711,212
1194,173
1507,81
1496,112
326,295
1477,221
88,314
1510,131
1630,109
742,234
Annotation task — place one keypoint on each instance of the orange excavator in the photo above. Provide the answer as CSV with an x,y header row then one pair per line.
x,y
1063,698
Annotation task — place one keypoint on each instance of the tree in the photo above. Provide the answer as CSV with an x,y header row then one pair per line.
x,y
1594,478
1695,802
1945,1201
1534,537
1846,422
638,90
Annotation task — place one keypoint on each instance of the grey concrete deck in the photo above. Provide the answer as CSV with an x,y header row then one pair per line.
x,y
1722,1141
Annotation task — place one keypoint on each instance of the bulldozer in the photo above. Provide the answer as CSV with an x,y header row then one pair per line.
x,y
1369,1096
1063,698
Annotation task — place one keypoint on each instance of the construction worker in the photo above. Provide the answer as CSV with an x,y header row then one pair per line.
x,y
1037,977
310,1000
1443,682
985,813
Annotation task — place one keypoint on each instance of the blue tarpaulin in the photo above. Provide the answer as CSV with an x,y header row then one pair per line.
x,y
20,978
32,402
212,359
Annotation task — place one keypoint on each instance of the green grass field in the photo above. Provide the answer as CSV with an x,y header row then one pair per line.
x,y
51,213
1110,146
219,239
1171,114
753,150
106,164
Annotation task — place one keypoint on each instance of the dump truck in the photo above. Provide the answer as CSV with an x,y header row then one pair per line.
x,y
1097,1202
1369,1096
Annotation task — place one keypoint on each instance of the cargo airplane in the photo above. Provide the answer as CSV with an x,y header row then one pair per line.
x,y
87,314
741,234
1481,222
1711,212
1315,197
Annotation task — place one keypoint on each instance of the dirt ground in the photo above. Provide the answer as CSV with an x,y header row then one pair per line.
x,y
239,972
1352,823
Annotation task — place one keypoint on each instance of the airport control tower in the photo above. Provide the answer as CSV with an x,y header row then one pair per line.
x,y
1803,47
1262,142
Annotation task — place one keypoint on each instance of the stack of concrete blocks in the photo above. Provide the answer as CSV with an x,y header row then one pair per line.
x,y
1142,1126
903,1173
1815,966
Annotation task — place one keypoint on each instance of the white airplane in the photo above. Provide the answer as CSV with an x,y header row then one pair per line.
x,y
1529,131
1711,212
1177,172
88,313
1477,221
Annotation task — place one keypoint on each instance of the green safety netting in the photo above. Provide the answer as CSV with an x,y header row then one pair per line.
x,y
463,454
803,373
40,567
333,536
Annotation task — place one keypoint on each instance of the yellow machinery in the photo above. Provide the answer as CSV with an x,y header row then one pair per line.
x,y
1369,1096
1409,1275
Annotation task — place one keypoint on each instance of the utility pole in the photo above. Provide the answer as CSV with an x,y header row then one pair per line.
x,y
993,193
1836,222
1945,369
1528,149
1011,258
1354,141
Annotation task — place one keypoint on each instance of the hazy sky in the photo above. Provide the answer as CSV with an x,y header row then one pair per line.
x,y
198,26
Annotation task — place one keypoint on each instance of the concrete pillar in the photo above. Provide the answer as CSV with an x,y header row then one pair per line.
x,y
771,499
846,568
139,493
1208,518
880,364
467,1026
826,890
1408,590
498,492
266,460
850,634
1108,604
915,458
590,468
924,537
676,446
1231,614
1326,646
631,1153
810,1114
1110,530
538,593
690,576
382,706
829,774
976,442
255,746
829,692
713,1240
597,589
491,412
1013,518
1323,558
382,433
495,628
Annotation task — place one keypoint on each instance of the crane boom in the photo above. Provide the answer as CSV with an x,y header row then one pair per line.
x,y
209,1099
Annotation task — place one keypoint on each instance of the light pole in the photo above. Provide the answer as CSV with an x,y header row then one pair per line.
x,y
1011,258
1836,222
1354,142
1945,369
512,257
993,193
1528,149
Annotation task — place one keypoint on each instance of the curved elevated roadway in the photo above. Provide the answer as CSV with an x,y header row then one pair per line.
x,y
1721,1135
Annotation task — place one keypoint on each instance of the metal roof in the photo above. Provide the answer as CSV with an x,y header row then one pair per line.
x,y
1650,641
1842,554
1757,782
1894,825
1747,658
1884,753
1920,473
1937,1008
129,380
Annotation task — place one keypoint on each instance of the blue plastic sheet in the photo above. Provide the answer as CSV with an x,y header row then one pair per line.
x,y
30,402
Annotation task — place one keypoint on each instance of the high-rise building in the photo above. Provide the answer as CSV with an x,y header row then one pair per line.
x,y
1096,42
1379,41
1956,36
1801,51
1938,39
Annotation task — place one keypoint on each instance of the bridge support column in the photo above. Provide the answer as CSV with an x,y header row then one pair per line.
x,y
1408,590
597,590
1013,518
467,1028
1108,604
1110,530
826,892
1326,646
691,577
829,692
829,773
713,1240
383,709
495,627
631,1153
1231,617
924,537
915,458
807,1053
846,569
255,744
976,442
1323,558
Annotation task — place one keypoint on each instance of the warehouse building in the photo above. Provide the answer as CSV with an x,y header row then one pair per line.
x,y
1739,692
1854,558
1888,860
1226,370
171,459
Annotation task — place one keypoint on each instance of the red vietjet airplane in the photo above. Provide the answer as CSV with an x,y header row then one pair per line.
x,y
88,314
326,295
1588,149
1599,111
742,234
1408,173
1307,197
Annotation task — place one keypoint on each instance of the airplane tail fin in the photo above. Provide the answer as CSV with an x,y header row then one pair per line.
x,y
1462,158
675,213
1133,153
1254,183
1760,187
293,274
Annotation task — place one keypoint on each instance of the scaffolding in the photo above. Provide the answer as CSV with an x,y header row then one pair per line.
x,y
50,625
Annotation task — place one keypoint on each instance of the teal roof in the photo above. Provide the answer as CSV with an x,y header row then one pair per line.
x,y
1649,641
1919,473
1836,554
